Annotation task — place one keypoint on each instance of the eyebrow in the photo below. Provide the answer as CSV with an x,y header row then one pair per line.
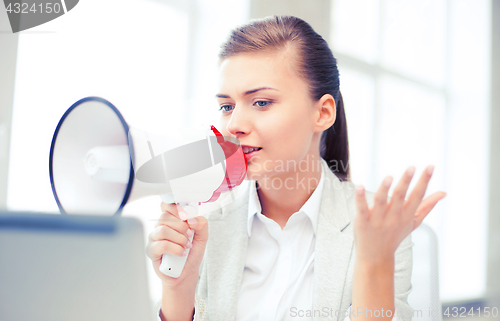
x,y
247,92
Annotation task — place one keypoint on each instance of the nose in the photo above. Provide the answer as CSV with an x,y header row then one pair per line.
x,y
238,124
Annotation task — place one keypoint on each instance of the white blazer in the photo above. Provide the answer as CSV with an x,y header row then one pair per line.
x,y
222,267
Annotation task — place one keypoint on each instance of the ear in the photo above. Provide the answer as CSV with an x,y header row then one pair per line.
x,y
326,113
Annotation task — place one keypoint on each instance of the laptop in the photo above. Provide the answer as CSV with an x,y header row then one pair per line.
x,y
72,267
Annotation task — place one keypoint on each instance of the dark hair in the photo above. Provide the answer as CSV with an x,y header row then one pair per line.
x,y
315,64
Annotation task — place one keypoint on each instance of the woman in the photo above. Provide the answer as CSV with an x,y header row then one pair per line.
x,y
301,242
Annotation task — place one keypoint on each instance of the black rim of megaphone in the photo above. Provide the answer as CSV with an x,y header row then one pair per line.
x,y
54,138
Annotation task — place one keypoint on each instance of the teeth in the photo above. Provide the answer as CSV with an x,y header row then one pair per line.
x,y
247,150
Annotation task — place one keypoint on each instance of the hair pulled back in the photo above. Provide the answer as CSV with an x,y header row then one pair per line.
x,y
314,63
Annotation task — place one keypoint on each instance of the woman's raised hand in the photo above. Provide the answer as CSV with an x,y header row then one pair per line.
x,y
171,235
379,230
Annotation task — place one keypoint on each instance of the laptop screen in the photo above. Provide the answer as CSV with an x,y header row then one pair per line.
x,y
72,267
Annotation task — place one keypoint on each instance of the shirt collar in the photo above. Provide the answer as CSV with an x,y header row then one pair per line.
x,y
310,207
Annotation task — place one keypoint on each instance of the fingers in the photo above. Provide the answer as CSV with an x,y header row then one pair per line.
x,y
167,218
170,207
174,223
164,239
164,232
171,234
175,235
156,250
199,225
174,209
361,204
380,200
399,193
426,206
418,192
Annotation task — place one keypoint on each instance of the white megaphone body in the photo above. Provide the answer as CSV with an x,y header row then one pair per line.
x,y
98,164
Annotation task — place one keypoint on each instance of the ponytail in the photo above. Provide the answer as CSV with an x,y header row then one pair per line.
x,y
334,146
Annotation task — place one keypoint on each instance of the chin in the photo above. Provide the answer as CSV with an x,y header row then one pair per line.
x,y
251,176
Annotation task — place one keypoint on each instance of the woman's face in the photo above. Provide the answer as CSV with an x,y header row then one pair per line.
x,y
265,104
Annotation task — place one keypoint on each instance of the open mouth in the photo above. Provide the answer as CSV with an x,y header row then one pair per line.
x,y
248,149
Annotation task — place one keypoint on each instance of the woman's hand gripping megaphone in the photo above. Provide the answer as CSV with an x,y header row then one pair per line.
x,y
225,172
176,236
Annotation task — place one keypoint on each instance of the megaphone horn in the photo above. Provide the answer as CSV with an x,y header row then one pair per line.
x,y
98,163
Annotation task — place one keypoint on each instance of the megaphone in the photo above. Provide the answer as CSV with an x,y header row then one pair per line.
x,y
98,163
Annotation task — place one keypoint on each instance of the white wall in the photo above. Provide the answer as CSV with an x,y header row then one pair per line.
x,y
8,57
154,60
415,77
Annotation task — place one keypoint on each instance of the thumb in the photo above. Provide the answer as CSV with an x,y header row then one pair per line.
x,y
200,226
426,206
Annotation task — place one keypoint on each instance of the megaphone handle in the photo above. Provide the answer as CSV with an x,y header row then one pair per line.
x,y
172,265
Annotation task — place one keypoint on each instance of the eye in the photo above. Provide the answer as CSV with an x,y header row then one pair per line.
x,y
262,103
226,108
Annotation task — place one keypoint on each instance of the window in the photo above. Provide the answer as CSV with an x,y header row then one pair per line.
x,y
415,81
154,60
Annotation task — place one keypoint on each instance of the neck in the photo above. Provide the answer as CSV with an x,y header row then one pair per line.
x,y
284,194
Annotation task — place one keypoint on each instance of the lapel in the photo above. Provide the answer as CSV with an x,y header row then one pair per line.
x,y
334,248
226,253
228,242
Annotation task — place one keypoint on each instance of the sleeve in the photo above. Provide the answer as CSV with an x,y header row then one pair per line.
x,y
200,310
402,282
197,316
157,310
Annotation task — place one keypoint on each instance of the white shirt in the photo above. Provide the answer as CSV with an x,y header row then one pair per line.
x,y
279,267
